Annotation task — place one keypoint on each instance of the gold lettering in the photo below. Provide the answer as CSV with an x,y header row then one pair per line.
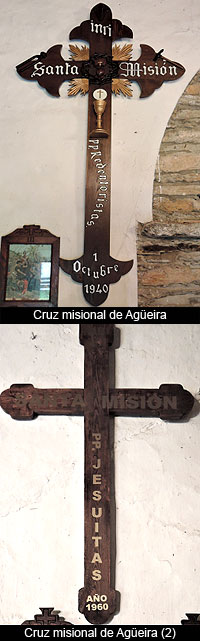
x,y
96,495
96,479
97,513
98,464
96,443
96,575
96,540
96,558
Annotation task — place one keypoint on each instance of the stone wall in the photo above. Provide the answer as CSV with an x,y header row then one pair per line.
x,y
169,247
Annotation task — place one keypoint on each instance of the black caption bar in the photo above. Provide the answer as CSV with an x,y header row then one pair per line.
x,y
129,315
103,632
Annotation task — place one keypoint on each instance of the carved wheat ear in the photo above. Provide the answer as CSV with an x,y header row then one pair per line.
x,y
81,84
78,53
120,85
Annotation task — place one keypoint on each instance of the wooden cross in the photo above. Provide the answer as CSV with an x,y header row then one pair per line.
x,y
98,403
99,70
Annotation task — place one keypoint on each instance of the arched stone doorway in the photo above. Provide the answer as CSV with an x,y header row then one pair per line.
x,y
169,246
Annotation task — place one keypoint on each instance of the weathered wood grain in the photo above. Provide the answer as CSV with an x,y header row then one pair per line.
x,y
98,402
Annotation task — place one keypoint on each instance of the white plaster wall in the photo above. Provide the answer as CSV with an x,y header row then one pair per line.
x,y
157,481
43,144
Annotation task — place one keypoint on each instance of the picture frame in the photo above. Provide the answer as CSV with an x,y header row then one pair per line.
x,y
29,265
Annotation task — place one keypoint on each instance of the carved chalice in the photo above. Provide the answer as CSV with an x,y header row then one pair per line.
x,y
99,104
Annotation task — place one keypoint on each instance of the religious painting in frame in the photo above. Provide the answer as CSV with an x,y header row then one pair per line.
x,y
29,267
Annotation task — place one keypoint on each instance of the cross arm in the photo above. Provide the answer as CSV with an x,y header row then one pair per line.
x,y
169,402
150,70
50,69
25,402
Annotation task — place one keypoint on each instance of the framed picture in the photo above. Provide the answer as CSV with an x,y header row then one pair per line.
x,y
29,267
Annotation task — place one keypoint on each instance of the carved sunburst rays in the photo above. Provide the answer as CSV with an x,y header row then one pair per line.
x,y
82,85
78,53
122,53
118,53
119,85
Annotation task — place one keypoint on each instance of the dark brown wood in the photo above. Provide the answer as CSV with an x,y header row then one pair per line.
x,y
97,599
98,402
50,69
150,70
29,235
193,619
96,269
101,13
25,402
43,68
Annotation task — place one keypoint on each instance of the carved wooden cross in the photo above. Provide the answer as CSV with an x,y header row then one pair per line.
x,y
99,70
98,599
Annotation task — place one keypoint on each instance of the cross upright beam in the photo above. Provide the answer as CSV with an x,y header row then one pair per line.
x,y
98,402
96,269
97,487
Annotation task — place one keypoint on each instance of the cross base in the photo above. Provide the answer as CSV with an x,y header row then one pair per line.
x,y
48,617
